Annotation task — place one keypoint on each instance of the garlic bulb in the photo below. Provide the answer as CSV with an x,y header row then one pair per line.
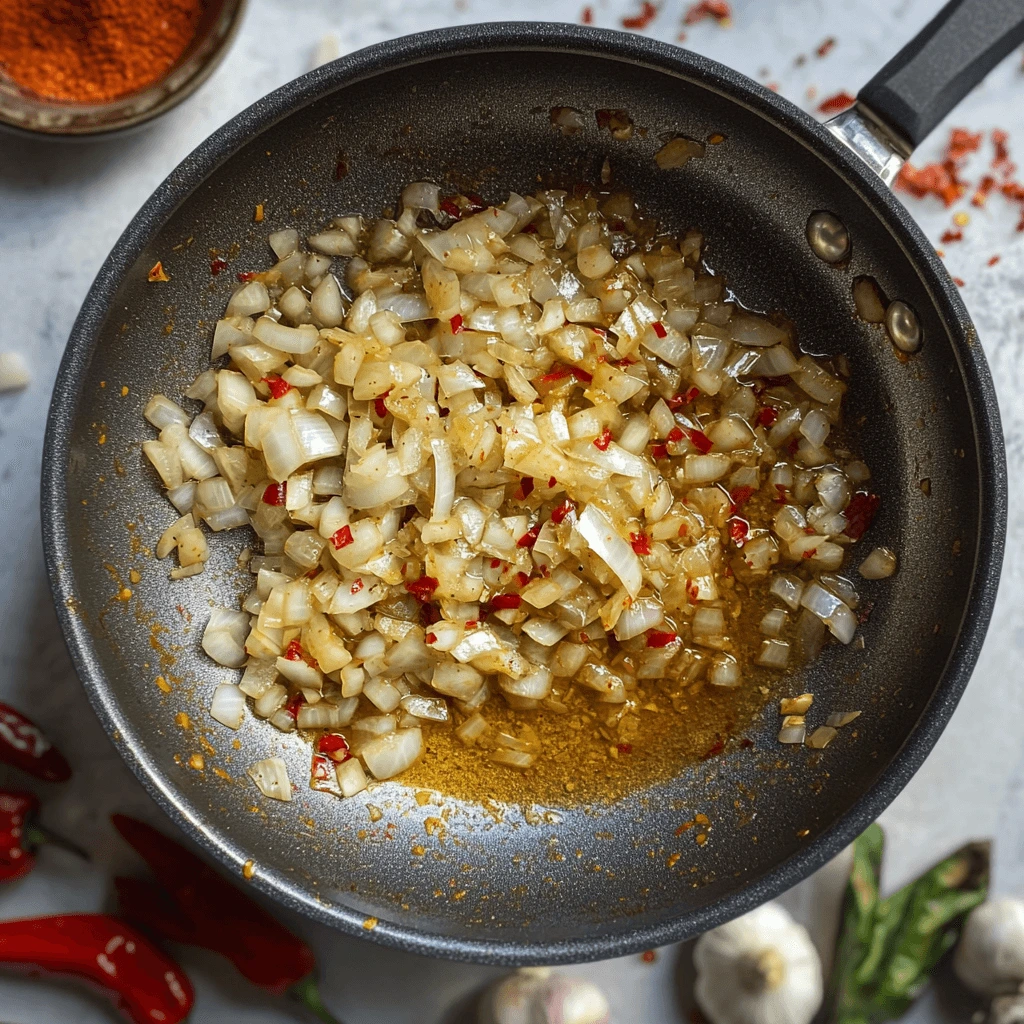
x,y
759,969
537,995
990,956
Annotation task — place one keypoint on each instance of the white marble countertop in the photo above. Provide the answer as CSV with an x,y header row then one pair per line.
x,y
61,209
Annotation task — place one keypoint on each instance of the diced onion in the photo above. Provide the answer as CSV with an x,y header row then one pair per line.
x,y
271,777
880,564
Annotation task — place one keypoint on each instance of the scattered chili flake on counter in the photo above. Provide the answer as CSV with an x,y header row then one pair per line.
x,y
648,12
587,16
951,236
993,260
157,273
719,10
837,103
826,46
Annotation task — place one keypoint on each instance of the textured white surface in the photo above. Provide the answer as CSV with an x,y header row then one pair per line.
x,y
61,209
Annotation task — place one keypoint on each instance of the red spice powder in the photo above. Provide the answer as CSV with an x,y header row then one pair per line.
x,y
94,51
837,103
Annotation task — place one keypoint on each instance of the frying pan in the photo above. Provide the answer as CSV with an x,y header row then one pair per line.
x,y
469,108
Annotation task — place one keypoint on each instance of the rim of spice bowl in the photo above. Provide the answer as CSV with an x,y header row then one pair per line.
x,y
27,114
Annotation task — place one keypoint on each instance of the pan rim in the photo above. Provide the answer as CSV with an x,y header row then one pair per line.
x,y
512,37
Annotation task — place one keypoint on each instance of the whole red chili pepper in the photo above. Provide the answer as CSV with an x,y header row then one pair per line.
x,y
24,745
21,836
147,986
194,905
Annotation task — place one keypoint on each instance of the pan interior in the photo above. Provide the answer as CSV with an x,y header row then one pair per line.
x,y
520,875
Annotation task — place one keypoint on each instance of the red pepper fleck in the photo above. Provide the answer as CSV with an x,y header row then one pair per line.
x,y
810,554
952,236
700,441
24,745
659,451
993,260
247,275
558,514
604,440
961,143
429,614
692,592
587,17
342,538
560,371
793,446
826,46
379,407
522,578
276,494
931,180
659,329
471,623
423,588
529,538
649,956
476,204
859,514
335,746
715,749
658,638
767,416
959,282
640,543
295,701
358,585
740,496
717,9
217,265
456,325
294,651
341,166
279,387
836,103
648,12
981,195
450,207
501,601
782,493
999,140
495,563
431,638
683,530
624,748
525,488
675,434
738,530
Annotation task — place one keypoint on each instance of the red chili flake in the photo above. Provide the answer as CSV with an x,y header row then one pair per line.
x,y
793,446
659,329
247,275
342,538
587,17
657,638
659,451
604,440
782,493
279,387
649,956
678,401
683,530
495,563
530,229
717,9
357,585
811,553
624,748
640,543
836,103
959,282
558,373
529,538
981,194
500,601
429,614
217,265
471,623
476,204
931,180
860,513
738,530
558,514
294,703
648,12
335,746
378,405
294,651
740,496
276,494
675,434
715,749
700,441
450,207
993,260
767,416
525,488
341,165
423,588
692,592
581,375
455,323
826,46
522,578
952,236
961,143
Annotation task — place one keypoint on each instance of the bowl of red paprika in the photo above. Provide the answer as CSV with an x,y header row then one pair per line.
x,y
88,67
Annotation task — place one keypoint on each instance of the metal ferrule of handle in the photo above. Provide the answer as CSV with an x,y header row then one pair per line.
x,y
864,135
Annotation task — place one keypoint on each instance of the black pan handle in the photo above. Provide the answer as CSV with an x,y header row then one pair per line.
x,y
939,66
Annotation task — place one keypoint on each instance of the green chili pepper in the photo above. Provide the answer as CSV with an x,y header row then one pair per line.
x,y
888,948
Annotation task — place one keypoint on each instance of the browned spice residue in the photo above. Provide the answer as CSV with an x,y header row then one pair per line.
x,y
94,51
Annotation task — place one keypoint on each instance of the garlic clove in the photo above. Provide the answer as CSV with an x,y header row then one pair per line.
x,y
989,958
537,995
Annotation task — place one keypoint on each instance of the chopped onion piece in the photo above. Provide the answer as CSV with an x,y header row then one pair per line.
x,y
228,705
271,777
391,754
880,564
597,531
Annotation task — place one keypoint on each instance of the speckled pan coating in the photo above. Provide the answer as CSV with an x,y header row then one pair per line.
x,y
470,106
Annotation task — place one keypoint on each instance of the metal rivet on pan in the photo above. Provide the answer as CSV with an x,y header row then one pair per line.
x,y
827,236
903,327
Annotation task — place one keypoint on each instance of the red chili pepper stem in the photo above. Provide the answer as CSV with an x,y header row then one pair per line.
x,y
37,835
306,991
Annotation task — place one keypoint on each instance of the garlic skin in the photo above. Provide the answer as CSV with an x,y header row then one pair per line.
x,y
759,969
537,995
990,956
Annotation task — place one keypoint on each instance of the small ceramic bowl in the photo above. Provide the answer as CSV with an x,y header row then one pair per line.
x,y
23,111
